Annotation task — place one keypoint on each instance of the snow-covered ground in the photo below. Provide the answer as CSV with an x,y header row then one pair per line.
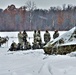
x,y
34,62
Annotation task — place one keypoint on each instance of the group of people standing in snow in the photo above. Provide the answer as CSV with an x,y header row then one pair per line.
x,y
37,40
23,43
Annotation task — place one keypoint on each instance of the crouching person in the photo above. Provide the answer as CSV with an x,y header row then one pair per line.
x,y
19,46
13,47
27,46
35,45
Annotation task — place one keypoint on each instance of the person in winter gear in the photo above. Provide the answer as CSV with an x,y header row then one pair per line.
x,y
35,45
56,34
27,45
25,36
38,37
47,37
13,47
3,40
19,46
20,38
34,35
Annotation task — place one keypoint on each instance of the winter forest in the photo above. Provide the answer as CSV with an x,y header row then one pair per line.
x,y
26,18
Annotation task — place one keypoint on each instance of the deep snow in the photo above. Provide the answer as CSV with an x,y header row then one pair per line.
x,y
34,62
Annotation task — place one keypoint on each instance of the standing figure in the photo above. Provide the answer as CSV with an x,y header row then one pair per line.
x,y
38,38
35,35
25,37
20,39
36,42
56,34
47,37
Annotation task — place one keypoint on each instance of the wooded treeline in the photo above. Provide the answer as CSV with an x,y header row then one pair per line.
x,y
15,19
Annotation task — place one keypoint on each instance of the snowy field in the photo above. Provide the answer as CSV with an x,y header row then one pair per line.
x,y
34,62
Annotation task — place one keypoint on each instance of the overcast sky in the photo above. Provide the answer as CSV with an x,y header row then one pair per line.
x,y
43,4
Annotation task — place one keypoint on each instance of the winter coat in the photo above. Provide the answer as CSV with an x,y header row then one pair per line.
x,y
27,45
20,38
55,35
38,37
34,35
25,36
47,37
13,47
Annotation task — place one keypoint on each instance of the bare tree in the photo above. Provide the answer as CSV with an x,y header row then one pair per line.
x,y
64,6
30,7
